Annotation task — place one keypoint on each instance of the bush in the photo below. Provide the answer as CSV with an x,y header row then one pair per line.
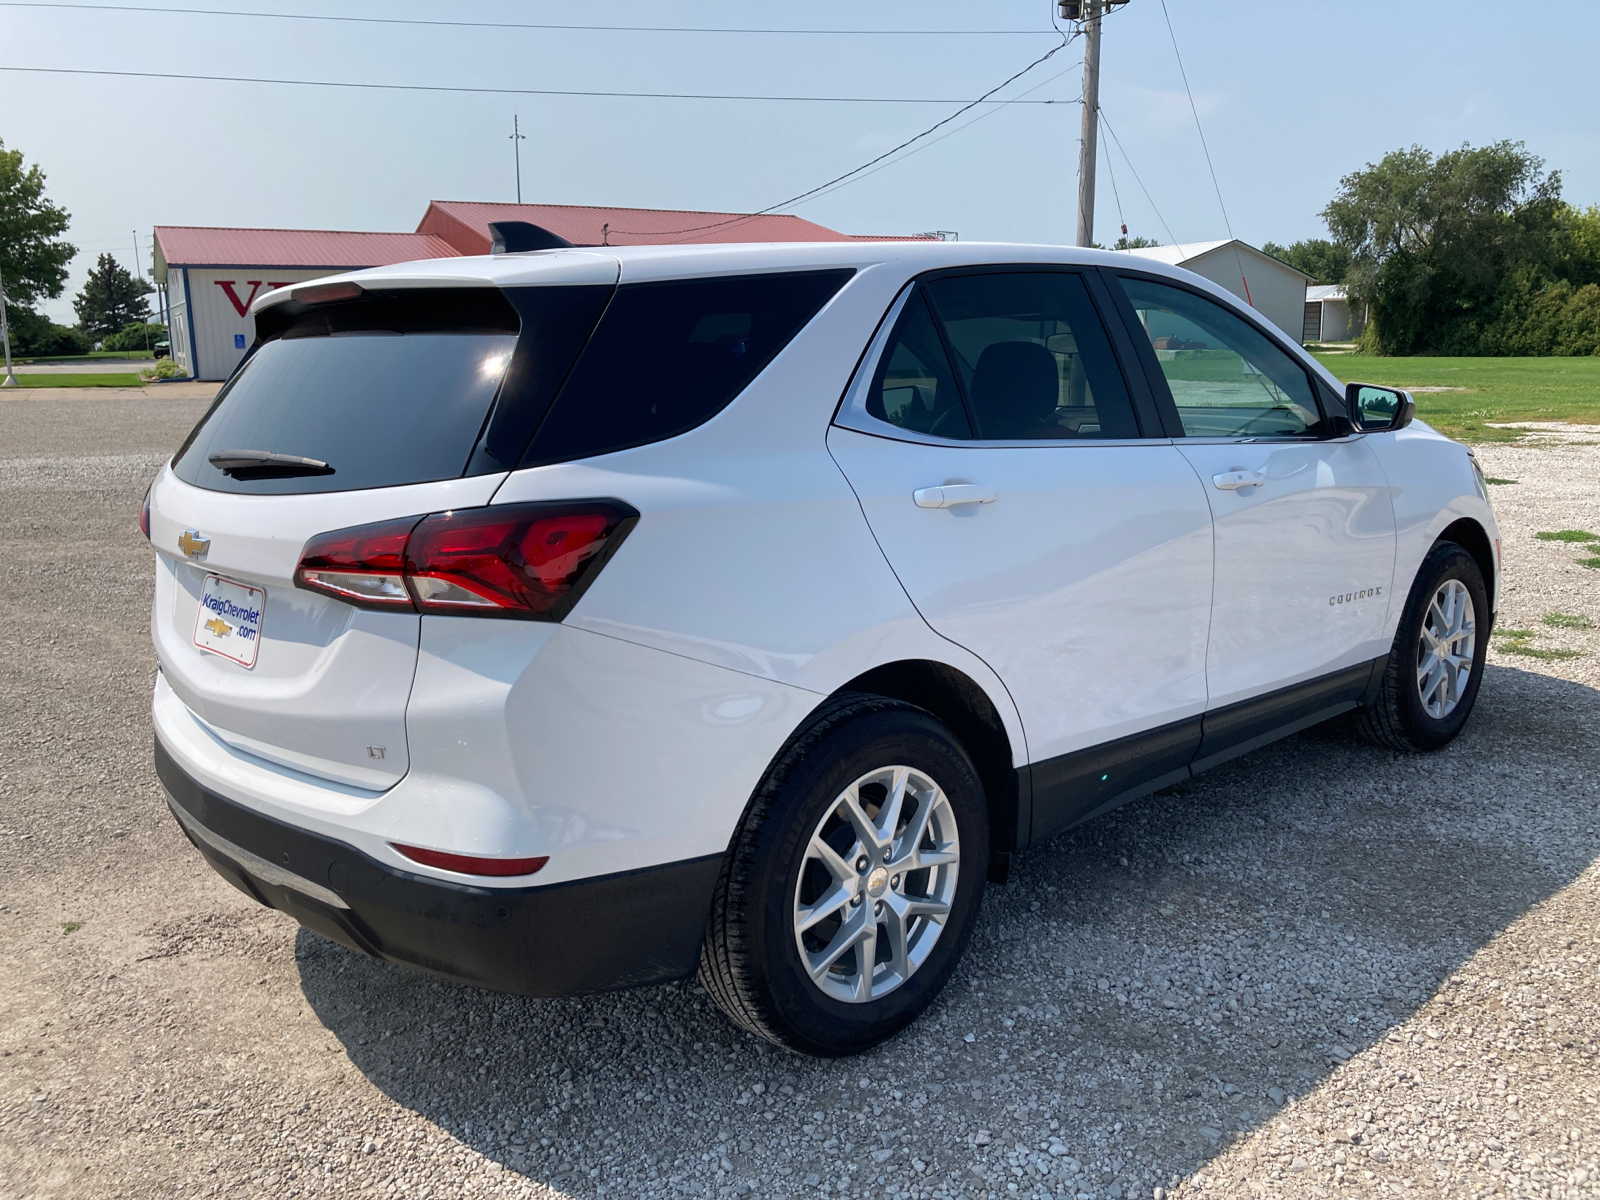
x,y
164,369
1555,318
34,336
135,335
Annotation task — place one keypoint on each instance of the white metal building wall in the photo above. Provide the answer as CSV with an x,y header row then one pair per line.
x,y
1277,291
178,320
216,310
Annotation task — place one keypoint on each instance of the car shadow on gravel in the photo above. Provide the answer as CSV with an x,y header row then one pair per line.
x,y
1145,991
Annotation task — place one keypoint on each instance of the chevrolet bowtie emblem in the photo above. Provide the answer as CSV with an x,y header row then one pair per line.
x,y
219,627
192,544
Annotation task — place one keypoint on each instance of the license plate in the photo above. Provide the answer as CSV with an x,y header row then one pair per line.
x,y
229,620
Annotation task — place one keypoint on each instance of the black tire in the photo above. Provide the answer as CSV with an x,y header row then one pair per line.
x,y
750,962
1398,718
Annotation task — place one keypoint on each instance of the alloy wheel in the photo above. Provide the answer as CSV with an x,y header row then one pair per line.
x,y
877,884
1445,649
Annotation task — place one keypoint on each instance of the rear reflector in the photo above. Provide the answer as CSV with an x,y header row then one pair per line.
x,y
472,864
529,561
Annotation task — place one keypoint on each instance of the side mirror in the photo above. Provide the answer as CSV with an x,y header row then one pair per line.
x,y
1374,408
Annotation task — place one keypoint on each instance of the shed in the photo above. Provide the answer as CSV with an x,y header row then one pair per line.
x,y
210,276
1274,289
1328,316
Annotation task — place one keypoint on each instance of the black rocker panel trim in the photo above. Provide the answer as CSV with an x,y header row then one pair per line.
x,y
1073,788
562,939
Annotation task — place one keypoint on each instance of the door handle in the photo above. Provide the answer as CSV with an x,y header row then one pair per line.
x,y
1233,481
952,494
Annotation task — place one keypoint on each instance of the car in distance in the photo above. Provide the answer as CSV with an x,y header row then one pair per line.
x,y
567,620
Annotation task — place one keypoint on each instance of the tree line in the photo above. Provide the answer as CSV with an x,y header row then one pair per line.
x,y
1472,251
112,309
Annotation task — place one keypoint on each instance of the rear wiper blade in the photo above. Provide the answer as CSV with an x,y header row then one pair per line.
x,y
245,464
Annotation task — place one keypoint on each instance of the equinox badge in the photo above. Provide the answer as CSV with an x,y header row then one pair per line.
x,y
192,544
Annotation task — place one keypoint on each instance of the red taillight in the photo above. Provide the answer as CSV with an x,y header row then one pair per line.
x,y
144,514
472,864
531,560
522,560
364,566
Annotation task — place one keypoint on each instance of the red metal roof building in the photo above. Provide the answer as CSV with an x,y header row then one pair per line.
x,y
209,276
465,225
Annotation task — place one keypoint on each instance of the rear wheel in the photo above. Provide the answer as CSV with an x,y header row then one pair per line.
x,y
851,887
1436,664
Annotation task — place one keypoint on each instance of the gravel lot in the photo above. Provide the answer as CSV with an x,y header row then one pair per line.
x,y
1323,968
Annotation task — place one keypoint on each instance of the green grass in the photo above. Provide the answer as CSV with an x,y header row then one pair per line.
x,y
1592,563
1567,535
89,357
1520,641
1494,389
1568,621
88,379
1490,479
71,926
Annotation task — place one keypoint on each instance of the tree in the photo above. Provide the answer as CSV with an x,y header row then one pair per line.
x,y
111,299
1324,261
1434,241
134,336
1133,243
33,259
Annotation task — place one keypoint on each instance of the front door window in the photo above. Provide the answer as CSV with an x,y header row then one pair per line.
x,y
1227,378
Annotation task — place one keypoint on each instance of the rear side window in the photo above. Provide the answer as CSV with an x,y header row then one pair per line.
x,y
389,389
669,356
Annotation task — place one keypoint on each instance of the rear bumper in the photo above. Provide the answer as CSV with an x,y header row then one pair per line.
x,y
564,939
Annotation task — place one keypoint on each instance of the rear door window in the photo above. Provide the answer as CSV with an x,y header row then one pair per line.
x,y
669,356
1032,357
1007,356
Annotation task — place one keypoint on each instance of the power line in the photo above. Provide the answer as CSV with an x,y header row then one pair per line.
x,y
1189,92
959,128
837,180
279,16
1121,220
503,91
1148,198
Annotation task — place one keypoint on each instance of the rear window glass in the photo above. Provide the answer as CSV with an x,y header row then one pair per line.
x,y
389,389
669,356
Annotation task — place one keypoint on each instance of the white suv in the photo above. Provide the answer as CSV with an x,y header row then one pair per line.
x,y
577,619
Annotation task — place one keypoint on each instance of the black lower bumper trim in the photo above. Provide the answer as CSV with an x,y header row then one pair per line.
x,y
563,939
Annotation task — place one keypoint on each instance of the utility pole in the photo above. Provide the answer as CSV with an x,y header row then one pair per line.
x,y
5,336
516,138
1089,150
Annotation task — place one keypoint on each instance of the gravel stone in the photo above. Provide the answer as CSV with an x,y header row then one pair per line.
x,y
1320,969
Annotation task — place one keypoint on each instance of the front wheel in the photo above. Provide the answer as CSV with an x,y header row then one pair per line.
x,y
1436,664
853,882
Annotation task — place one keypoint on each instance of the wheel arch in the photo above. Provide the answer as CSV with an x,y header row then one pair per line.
x,y
960,703
1474,539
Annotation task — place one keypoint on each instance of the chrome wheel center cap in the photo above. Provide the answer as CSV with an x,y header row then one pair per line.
x,y
877,882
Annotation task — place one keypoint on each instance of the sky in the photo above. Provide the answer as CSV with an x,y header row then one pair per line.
x,y
1291,97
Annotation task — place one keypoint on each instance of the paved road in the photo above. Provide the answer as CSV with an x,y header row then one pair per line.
x,y
1323,966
